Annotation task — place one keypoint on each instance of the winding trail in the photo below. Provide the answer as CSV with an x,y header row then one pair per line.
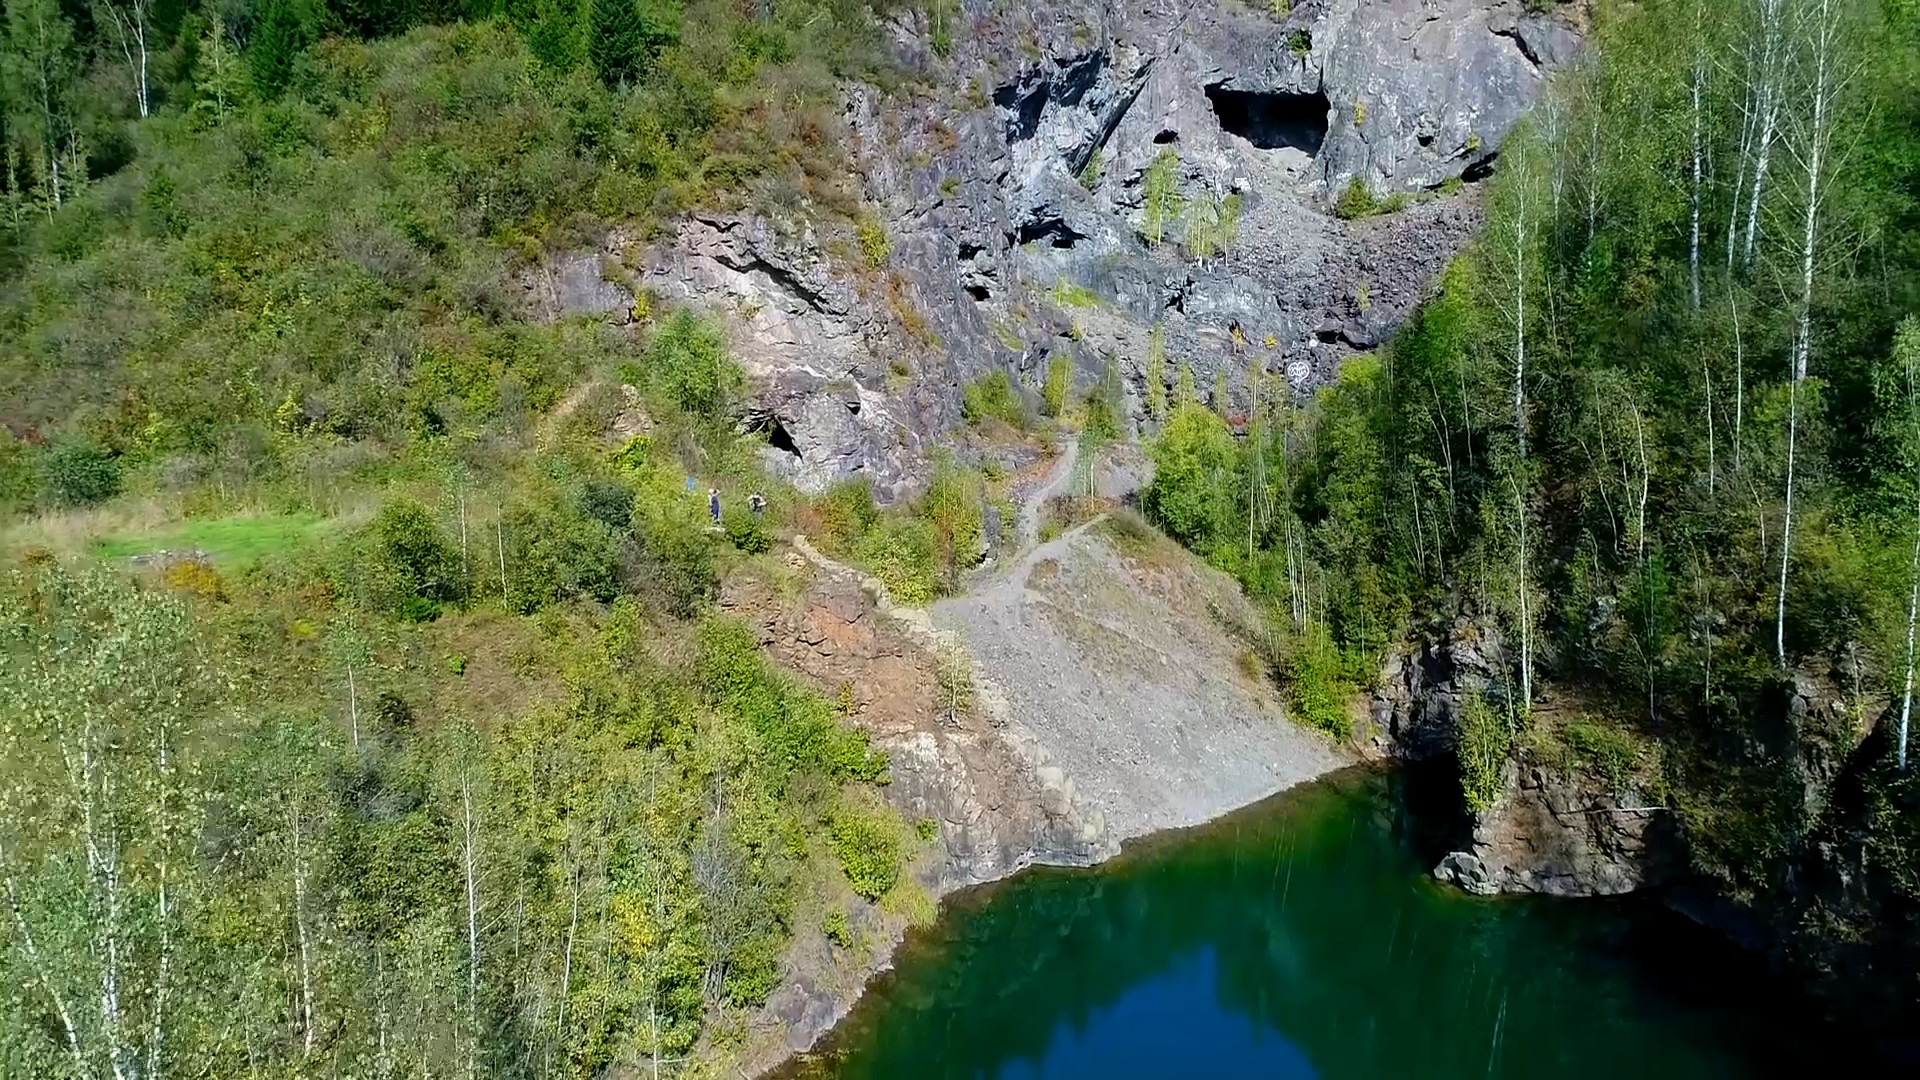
x,y
1028,528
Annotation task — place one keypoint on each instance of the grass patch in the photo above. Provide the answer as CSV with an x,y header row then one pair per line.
x,y
1067,294
233,542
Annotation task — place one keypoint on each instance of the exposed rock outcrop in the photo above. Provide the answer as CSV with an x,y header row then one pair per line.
x,y
1011,199
1560,833
1416,710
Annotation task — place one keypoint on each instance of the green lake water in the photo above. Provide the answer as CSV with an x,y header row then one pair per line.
x,y
1303,938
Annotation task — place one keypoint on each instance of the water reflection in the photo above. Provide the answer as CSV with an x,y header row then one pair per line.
x,y
1298,939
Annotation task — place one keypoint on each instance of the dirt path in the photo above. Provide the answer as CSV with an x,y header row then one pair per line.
x,y
1035,501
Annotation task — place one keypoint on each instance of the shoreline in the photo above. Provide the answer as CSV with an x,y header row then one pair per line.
x,y
1124,847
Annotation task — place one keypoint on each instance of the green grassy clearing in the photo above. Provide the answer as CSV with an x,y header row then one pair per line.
x,y
233,542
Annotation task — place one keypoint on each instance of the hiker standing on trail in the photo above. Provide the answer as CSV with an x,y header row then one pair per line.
x,y
713,504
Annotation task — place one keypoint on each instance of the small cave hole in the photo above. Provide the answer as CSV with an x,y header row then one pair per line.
x,y
1481,169
1054,231
980,293
1166,136
1273,120
780,438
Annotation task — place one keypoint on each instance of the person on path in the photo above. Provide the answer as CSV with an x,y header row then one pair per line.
x,y
713,504
757,504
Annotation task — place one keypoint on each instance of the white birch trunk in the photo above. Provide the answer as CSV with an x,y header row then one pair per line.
x,y
1813,158
40,975
1913,612
1768,96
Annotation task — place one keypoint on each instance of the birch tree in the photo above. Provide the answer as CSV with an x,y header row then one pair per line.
x,y
1766,72
127,21
1820,30
1906,350
1512,255
40,63
95,734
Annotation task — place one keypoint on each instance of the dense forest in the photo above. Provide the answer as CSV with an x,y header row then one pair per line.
x,y
1657,434
425,752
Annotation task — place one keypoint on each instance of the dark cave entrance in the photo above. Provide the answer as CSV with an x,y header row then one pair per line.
x,y
1273,120
780,438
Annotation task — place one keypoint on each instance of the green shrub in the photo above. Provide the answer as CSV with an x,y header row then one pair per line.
x,y
1317,683
1192,496
868,841
412,568
992,397
747,531
846,512
669,563
901,553
687,360
1059,384
875,247
955,507
1608,753
1067,294
553,554
835,927
1356,201
77,472
1091,172
609,503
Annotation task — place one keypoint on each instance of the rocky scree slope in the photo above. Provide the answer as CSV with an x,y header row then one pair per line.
x,y
1005,188
1106,701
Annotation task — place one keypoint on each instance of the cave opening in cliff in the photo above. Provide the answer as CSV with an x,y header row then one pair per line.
x,y
779,438
1273,120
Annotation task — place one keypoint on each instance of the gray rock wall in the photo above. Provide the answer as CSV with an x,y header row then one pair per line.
x,y
1010,185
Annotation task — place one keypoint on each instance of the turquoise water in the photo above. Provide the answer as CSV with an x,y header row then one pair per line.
x,y
1303,938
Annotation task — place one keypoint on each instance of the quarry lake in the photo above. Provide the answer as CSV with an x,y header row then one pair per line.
x,y
1303,938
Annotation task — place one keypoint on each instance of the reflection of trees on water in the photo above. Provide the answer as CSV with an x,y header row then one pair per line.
x,y
1321,929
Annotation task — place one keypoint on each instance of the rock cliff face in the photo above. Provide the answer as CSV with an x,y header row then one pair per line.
x,y
1009,189
1559,833
1824,904
1553,829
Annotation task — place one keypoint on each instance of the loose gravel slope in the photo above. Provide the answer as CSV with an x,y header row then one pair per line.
x,y
1119,653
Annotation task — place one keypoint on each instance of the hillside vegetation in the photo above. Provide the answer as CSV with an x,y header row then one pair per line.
x,y
412,746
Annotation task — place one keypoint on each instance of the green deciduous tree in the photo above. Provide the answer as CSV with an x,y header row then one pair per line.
x,y
687,359
1195,465
1164,203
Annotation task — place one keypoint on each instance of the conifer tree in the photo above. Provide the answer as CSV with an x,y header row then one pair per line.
x,y
277,44
617,41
